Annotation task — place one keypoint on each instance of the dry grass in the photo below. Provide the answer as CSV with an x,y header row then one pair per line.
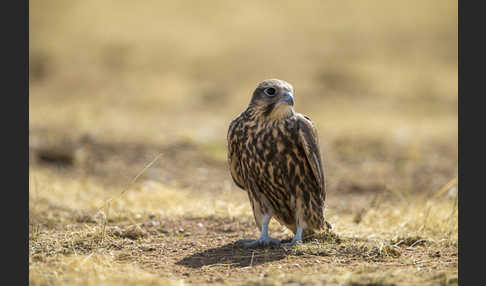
x,y
114,84
92,269
155,234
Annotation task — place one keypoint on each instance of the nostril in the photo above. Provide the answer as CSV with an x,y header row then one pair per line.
x,y
288,97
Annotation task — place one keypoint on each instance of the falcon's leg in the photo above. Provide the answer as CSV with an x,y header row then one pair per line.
x,y
264,238
297,238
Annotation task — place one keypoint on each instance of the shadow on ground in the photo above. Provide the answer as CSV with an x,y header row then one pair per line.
x,y
233,254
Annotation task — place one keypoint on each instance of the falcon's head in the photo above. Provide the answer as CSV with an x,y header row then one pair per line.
x,y
273,98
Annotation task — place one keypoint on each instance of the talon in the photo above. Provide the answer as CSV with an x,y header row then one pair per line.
x,y
251,243
245,240
297,238
273,241
264,239
257,242
292,243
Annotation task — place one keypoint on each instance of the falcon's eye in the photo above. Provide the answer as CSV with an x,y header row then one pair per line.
x,y
270,91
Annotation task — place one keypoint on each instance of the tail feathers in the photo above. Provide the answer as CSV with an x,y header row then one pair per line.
x,y
328,225
307,233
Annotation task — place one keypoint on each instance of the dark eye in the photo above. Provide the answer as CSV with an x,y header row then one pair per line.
x,y
270,91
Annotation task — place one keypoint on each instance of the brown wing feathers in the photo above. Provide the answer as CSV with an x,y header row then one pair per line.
x,y
234,156
310,143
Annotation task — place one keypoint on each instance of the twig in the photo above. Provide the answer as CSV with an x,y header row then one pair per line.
x,y
416,242
86,259
132,181
445,188
107,202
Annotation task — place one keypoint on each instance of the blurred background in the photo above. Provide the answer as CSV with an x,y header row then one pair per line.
x,y
114,83
129,107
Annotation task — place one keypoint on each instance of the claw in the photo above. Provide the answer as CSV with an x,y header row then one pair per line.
x,y
292,243
264,239
297,238
261,242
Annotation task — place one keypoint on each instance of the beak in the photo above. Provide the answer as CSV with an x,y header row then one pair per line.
x,y
288,98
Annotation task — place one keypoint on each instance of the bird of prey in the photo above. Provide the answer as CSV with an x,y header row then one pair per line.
x,y
274,155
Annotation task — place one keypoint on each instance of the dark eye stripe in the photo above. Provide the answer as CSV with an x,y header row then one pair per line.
x,y
270,91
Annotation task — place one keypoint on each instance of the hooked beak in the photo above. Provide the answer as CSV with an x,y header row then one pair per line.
x,y
288,98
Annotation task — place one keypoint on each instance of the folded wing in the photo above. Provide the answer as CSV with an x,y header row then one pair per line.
x,y
234,155
310,142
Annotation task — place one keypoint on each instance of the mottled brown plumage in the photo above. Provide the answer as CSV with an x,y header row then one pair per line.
x,y
273,154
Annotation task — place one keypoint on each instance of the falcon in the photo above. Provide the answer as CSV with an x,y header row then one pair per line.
x,y
274,155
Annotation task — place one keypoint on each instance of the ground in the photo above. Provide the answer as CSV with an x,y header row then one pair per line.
x,y
128,112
